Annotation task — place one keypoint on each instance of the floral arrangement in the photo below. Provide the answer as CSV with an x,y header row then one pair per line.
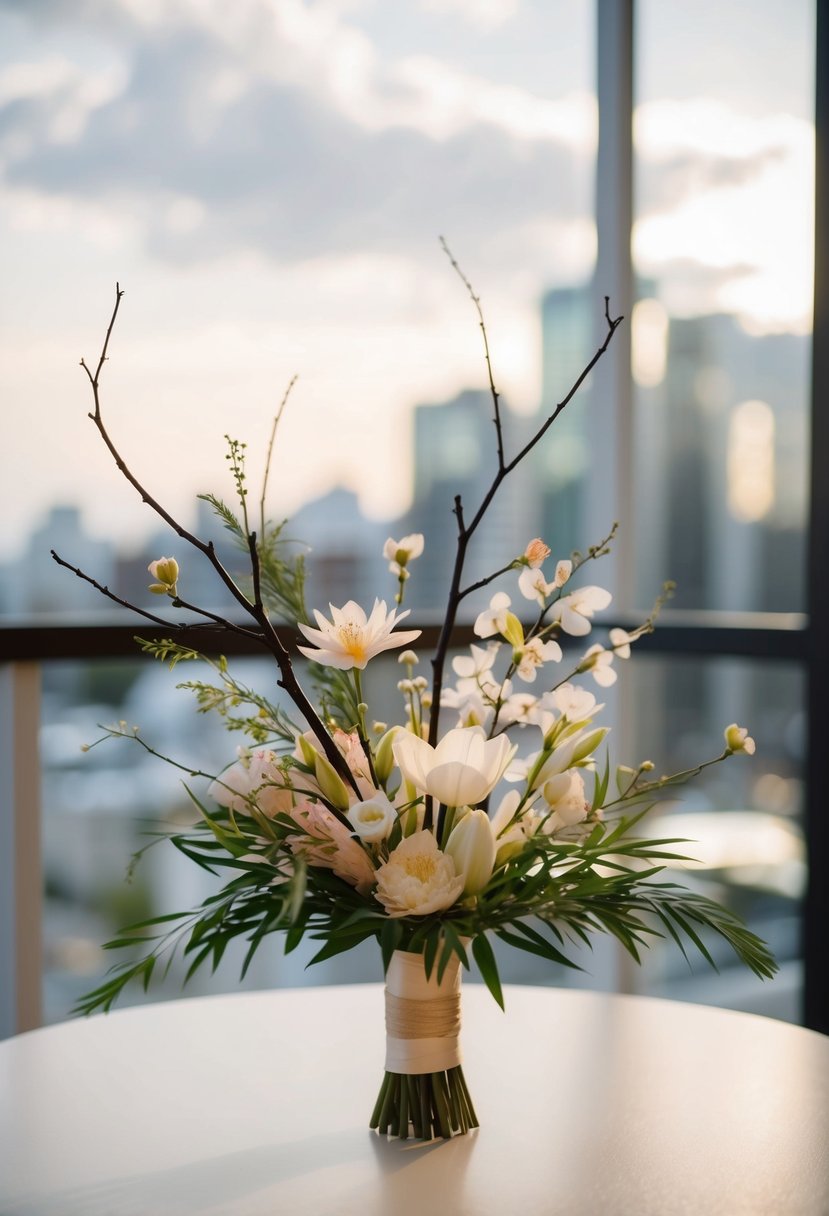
x,y
486,812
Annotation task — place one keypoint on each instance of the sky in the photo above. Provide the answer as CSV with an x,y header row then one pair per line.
x,y
268,181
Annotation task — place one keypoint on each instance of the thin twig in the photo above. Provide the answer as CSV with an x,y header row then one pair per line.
x,y
493,391
282,405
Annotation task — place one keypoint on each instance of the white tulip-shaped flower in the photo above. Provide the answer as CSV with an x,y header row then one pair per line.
x,y
461,771
350,638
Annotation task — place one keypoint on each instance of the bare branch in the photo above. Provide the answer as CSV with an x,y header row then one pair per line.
x,y
149,616
466,531
268,635
484,582
493,391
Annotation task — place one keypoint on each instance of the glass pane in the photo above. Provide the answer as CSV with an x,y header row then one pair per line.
x,y
743,818
723,240
268,184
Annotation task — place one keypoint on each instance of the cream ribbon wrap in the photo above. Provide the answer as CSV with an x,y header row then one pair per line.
x,y
423,1018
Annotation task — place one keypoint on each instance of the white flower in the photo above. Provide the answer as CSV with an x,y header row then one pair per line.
x,y
325,841
532,656
511,833
350,639
533,585
165,571
620,642
573,611
477,662
564,794
563,571
471,845
576,704
469,702
494,619
417,878
576,749
598,662
536,552
461,771
398,553
255,777
737,739
373,819
521,707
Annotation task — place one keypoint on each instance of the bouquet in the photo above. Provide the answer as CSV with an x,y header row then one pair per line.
x,y
487,811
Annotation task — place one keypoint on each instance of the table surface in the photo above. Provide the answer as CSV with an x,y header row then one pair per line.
x,y
254,1104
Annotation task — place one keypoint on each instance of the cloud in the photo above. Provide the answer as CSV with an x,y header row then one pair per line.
x,y
278,129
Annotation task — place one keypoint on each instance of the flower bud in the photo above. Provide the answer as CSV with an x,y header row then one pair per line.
x,y
165,570
471,845
535,553
589,743
384,756
513,630
330,782
737,739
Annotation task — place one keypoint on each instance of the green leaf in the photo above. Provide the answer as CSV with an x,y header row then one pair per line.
x,y
482,953
390,937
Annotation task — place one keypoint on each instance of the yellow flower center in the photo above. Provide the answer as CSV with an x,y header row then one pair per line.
x,y
351,640
422,868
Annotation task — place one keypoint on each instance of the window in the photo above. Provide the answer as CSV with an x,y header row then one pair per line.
x,y
278,210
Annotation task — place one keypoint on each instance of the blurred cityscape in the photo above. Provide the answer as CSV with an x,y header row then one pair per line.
x,y
720,485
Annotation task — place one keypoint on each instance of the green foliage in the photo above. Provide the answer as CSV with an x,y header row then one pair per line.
x,y
551,896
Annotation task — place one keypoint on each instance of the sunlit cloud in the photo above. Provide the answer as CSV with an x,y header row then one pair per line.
x,y
756,223
485,15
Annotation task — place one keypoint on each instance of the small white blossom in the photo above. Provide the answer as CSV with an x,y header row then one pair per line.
x,y
534,655
533,585
563,571
477,662
573,611
620,641
373,819
599,662
576,704
398,553
493,619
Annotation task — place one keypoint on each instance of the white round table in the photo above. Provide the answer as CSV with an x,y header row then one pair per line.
x,y
248,1105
